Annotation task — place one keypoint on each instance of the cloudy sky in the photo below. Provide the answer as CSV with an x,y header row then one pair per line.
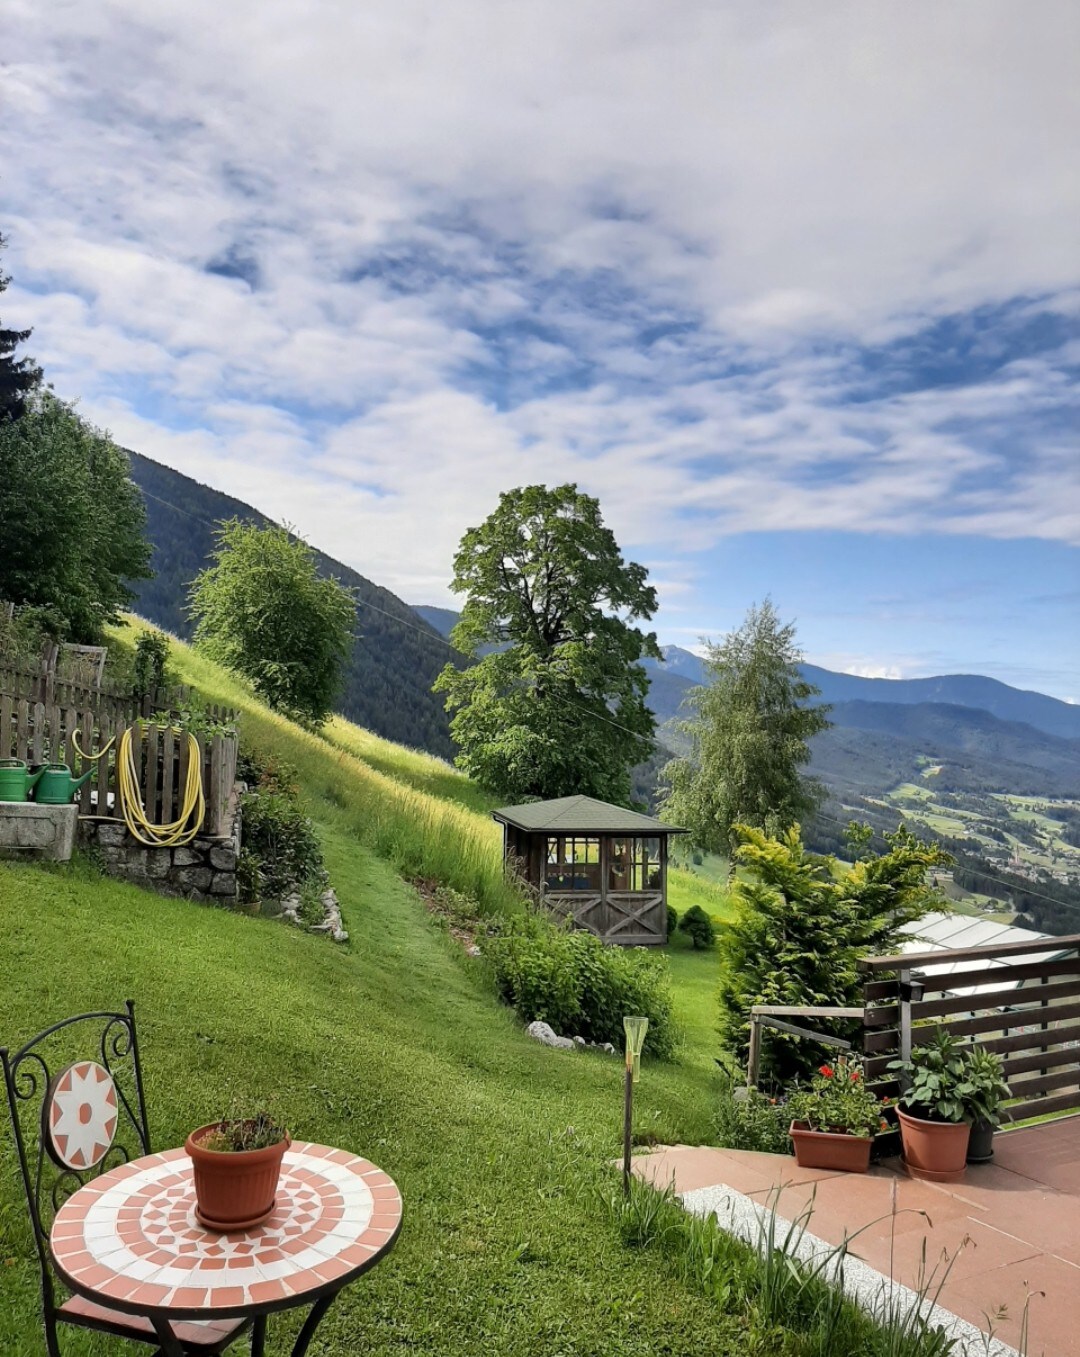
x,y
793,288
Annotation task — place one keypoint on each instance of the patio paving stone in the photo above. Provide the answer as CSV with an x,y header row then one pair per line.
x,y
1020,1215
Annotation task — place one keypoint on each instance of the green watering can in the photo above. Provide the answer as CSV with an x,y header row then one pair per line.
x,y
16,780
57,786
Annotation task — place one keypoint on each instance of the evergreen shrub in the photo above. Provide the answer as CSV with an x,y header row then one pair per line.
x,y
581,987
699,928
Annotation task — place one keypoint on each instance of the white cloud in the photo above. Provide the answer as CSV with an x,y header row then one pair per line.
x,y
466,224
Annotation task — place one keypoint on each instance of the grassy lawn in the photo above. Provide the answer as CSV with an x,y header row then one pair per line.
x,y
393,1046
389,1046
695,976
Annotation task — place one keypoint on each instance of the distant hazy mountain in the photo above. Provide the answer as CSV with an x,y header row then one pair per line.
x,y
875,745
885,730
395,658
961,690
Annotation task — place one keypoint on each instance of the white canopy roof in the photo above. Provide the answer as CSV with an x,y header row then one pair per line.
x,y
944,933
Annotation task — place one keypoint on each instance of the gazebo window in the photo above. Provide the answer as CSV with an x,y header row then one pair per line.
x,y
634,865
573,864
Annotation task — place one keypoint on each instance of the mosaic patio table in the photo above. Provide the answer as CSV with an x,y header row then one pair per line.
x,y
129,1240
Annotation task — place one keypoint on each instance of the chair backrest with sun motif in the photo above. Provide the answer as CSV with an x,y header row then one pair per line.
x,y
76,1110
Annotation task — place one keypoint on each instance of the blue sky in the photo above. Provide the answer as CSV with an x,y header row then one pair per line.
x,y
794,290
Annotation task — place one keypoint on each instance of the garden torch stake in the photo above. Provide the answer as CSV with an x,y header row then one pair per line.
x,y
635,1029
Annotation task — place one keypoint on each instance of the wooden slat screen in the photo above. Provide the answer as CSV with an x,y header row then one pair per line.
x,y
1034,1025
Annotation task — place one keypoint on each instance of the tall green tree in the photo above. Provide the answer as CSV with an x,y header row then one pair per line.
x,y
557,708
748,736
18,376
72,523
263,610
802,924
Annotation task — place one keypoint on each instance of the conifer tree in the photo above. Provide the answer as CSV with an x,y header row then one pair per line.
x,y
18,376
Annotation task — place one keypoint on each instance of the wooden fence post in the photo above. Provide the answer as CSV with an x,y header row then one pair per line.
x,y
753,1067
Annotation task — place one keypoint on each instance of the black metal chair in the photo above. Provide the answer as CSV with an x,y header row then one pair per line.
x,y
55,1160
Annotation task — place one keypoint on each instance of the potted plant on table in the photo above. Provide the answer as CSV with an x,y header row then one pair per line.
x,y
933,1109
988,1091
236,1163
834,1121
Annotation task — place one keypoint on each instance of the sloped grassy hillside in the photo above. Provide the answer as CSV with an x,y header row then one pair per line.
x,y
392,1046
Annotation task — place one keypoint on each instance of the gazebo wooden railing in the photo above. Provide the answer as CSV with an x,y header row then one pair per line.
x,y
1021,1000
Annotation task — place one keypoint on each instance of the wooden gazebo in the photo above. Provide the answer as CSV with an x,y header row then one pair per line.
x,y
603,866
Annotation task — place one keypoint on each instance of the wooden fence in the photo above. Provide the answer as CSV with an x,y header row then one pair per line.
x,y
41,682
1027,1010
37,733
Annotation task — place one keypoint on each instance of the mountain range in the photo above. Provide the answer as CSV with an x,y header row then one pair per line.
x,y
987,735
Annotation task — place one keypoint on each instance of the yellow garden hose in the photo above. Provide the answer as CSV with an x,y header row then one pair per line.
x,y
177,832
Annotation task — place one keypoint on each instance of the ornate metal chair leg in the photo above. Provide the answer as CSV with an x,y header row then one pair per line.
x,y
52,1339
307,1333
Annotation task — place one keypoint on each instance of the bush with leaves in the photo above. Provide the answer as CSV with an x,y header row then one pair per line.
x,y
150,663
748,1119
802,924
672,920
570,979
699,928
281,851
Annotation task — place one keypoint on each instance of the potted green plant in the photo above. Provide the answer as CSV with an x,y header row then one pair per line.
x,y
236,1163
933,1108
988,1091
834,1121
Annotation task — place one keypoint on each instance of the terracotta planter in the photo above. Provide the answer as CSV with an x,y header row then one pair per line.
x,y
936,1150
830,1149
981,1144
233,1191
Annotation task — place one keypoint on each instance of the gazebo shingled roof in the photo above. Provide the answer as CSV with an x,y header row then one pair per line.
x,y
580,815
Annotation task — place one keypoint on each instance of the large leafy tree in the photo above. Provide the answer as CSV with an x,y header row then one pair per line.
x,y
73,523
18,376
556,706
802,924
748,736
263,610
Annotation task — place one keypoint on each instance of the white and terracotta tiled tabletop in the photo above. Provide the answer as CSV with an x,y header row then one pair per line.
x,y
130,1237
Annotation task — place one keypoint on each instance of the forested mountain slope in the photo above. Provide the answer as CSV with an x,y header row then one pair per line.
x,y
395,658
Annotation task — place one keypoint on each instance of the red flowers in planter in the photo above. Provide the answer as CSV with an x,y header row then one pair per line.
x,y
826,1070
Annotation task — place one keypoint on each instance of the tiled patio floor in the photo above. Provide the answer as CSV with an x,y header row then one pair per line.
x,y
1020,1216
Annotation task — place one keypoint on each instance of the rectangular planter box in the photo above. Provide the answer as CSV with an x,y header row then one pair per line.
x,y
827,1150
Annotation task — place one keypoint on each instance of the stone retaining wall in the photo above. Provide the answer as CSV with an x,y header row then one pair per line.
x,y
204,869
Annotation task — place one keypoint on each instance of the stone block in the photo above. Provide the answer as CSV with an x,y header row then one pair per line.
x,y
133,858
186,857
111,835
192,878
224,883
223,858
158,863
29,830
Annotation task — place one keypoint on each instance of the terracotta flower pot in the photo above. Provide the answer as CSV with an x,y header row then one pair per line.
x,y
830,1149
936,1150
234,1190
